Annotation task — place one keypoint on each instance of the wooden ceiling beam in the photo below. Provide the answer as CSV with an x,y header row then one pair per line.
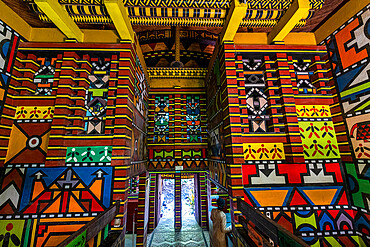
x,y
234,17
298,10
119,15
59,16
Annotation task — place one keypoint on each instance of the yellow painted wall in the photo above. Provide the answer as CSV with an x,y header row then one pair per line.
x,y
171,83
261,39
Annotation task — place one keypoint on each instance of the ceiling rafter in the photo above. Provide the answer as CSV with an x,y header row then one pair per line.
x,y
119,15
59,16
234,18
297,11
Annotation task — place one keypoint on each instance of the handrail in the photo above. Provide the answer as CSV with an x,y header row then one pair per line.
x,y
92,228
267,227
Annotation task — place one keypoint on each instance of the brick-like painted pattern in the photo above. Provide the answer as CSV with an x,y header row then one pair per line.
x,y
283,69
178,211
142,225
203,200
152,201
72,68
177,150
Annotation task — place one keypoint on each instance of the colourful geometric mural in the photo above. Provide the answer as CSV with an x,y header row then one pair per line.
x,y
304,75
11,232
161,119
44,77
358,128
28,142
349,49
313,111
60,172
359,185
256,99
141,93
193,118
51,232
97,96
293,196
261,125
11,190
263,151
349,53
304,190
284,174
92,154
318,139
66,190
34,112
9,40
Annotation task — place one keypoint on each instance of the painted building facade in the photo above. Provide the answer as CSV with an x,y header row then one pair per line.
x,y
284,125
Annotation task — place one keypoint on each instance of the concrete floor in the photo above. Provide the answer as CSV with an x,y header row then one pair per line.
x,y
191,235
128,240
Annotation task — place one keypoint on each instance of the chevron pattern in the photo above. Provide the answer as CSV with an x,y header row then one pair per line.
x,y
257,4
261,14
10,190
177,73
177,12
185,4
150,21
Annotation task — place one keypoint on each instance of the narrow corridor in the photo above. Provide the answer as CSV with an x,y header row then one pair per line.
x,y
191,235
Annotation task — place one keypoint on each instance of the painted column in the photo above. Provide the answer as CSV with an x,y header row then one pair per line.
x,y
152,201
178,201
231,120
120,78
141,236
203,200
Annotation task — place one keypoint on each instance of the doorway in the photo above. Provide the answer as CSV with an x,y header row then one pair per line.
x,y
166,232
168,198
187,197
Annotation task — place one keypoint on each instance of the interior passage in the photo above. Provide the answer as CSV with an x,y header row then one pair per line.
x,y
191,234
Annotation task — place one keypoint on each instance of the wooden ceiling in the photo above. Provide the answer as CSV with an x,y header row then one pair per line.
x,y
200,25
142,22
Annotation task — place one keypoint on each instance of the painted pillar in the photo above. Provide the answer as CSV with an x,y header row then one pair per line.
x,y
141,236
158,202
178,201
119,112
197,202
152,201
203,200
177,121
231,119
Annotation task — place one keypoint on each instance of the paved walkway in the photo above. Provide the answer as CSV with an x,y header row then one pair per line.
x,y
191,235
